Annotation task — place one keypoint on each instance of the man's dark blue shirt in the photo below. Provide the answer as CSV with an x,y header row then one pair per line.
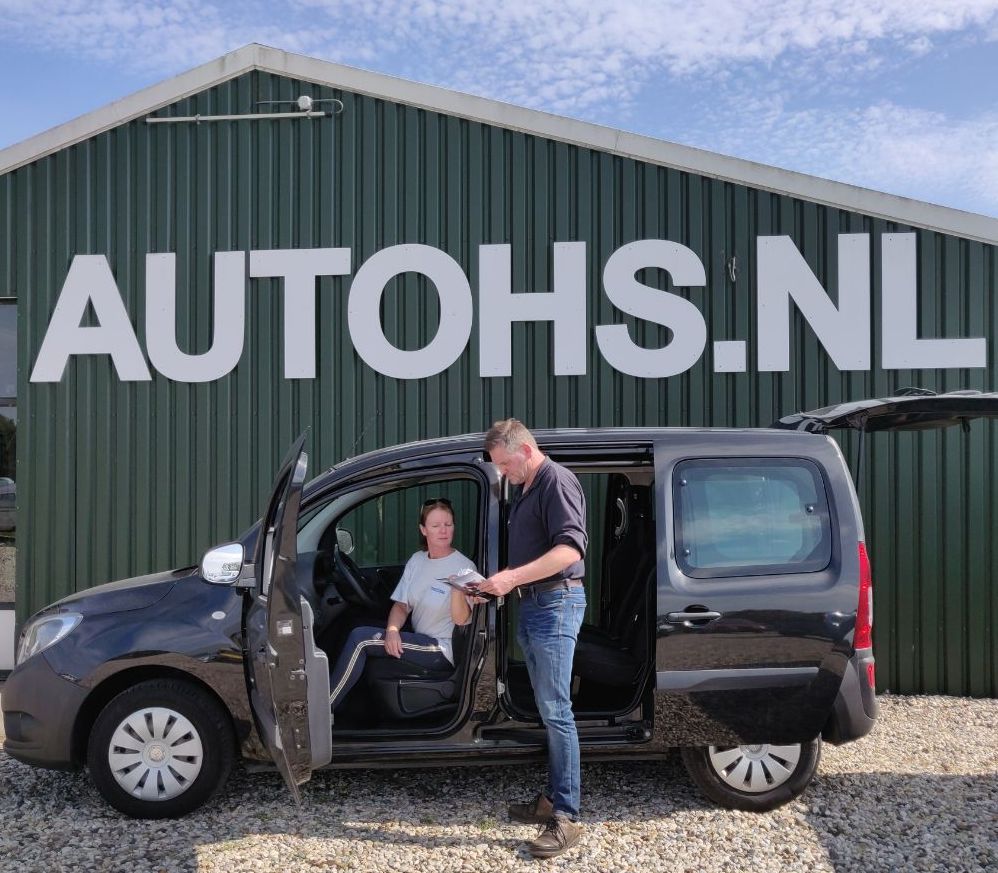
x,y
551,512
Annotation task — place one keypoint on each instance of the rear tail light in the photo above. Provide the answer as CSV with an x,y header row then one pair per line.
x,y
863,638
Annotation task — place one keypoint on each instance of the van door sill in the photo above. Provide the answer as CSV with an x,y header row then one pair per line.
x,y
589,735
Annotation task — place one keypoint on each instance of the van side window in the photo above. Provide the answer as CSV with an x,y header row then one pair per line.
x,y
751,517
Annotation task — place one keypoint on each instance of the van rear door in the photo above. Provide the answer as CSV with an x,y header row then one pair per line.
x,y
918,409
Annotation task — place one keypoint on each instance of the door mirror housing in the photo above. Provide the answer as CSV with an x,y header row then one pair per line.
x,y
223,565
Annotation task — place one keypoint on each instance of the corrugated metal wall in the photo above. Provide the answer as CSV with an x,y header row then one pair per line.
x,y
120,478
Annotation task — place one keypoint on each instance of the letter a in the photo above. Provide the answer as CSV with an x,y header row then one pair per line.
x,y
90,281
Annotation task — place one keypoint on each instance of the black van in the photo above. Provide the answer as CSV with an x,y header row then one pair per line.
x,y
730,616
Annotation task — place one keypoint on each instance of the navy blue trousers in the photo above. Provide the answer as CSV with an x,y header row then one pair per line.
x,y
369,642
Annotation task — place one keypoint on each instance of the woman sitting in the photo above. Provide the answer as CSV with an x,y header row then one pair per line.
x,y
435,607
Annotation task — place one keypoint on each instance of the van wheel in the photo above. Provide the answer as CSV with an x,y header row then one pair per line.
x,y
160,749
753,778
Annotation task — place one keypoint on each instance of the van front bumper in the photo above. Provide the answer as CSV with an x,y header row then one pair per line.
x,y
39,712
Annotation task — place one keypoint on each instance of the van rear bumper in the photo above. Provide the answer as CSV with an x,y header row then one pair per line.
x,y
856,707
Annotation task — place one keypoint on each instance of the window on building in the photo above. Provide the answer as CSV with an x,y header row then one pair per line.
x,y
8,445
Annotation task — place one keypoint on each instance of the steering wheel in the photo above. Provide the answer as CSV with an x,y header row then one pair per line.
x,y
349,572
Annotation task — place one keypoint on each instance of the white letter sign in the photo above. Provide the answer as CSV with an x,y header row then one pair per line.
x,y
784,276
840,318
364,311
90,281
670,310
902,349
499,307
227,321
299,268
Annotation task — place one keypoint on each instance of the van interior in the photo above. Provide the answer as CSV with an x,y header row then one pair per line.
x,y
351,554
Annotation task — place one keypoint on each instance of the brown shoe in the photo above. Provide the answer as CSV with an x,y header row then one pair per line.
x,y
558,835
538,811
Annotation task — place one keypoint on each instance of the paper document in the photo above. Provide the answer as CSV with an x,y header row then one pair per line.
x,y
467,582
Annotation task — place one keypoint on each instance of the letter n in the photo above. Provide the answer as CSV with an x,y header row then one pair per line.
x,y
843,330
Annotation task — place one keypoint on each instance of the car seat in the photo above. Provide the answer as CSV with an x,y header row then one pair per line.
x,y
615,653
403,690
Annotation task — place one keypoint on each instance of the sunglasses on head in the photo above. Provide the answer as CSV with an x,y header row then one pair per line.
x,y
434,500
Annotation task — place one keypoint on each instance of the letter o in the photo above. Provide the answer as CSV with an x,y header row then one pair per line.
x,y
364,311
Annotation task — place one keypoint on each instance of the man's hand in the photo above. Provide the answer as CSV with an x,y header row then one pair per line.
x,y
501,584
551,562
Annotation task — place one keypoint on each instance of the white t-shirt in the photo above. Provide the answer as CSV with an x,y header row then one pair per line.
x,y
428,599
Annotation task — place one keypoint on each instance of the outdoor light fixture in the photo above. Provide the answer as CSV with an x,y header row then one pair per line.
x,y
304,103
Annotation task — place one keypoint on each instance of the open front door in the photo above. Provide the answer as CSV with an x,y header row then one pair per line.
x,y
289,677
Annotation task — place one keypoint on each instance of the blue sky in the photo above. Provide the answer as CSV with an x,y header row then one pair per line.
x,y
894,95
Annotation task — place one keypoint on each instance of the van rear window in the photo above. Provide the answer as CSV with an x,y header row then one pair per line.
x,y
751,516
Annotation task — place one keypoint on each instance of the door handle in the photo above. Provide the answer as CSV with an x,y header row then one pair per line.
x,y
691,619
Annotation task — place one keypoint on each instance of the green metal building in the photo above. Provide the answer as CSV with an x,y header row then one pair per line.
x,y
193,291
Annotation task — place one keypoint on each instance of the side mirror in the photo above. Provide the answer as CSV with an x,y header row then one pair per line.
x,y
222,564
344,539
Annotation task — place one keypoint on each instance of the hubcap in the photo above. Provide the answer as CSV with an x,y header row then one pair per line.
x,y
155,754
754,769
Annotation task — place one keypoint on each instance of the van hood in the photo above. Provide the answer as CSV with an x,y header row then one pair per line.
x,y
124,595
913,409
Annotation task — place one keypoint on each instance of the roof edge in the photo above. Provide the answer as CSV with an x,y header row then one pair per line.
x,y
128,108
840,195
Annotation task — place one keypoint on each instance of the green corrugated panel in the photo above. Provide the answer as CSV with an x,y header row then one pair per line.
x,y
119,478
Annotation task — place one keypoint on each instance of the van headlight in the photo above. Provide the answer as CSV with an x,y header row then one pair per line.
x,y
44,632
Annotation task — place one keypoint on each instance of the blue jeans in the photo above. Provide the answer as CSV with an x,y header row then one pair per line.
x,y
548,628
369,642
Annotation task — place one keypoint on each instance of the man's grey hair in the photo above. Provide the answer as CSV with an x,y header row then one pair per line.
x,y
509,434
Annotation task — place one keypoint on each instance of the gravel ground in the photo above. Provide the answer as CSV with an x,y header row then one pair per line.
x,y
920,793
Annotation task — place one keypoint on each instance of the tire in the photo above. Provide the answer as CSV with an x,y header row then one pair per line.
x,y
161,749
753,778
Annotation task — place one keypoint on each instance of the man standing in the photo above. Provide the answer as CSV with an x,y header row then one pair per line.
x,y
547,544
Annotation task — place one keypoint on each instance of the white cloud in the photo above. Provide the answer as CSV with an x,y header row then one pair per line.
x,y
570,54
564,54
157,35
787,82
907,151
